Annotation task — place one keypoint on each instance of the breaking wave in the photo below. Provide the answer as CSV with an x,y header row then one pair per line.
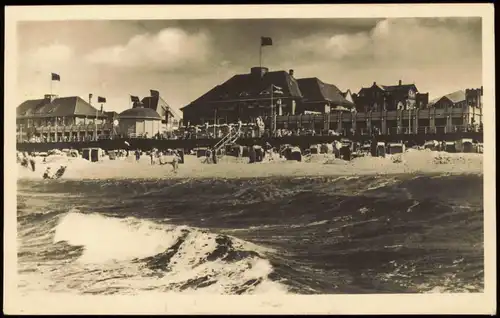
x,y
361,234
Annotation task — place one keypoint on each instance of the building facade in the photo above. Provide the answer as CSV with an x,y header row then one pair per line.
x,y
395,97
56,118
468,101
263,93
245,97
139,122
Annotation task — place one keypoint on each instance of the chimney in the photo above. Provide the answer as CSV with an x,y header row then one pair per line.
x,y
290,72
259,71
50,97
374,83
400,82
481,90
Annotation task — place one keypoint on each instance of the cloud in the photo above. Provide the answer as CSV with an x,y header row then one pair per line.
x,y
51,55
169,49
394,41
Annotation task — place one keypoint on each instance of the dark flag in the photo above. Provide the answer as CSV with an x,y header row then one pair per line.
x,y
154,93
265,41
101,99
134,99
56,77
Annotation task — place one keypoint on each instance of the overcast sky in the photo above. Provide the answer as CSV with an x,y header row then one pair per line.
x,y
183,59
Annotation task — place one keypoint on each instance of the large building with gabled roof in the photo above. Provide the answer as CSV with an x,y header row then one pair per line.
x,y
248,96
244,97
56,118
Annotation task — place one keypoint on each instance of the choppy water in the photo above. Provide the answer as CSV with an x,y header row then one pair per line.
x,y
370,234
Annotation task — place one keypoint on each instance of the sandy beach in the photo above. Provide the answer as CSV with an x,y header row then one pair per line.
x,y
411,161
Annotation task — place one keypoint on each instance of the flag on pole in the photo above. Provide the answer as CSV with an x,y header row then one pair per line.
x,y
101,99
134,99
56,77
266,41
154,93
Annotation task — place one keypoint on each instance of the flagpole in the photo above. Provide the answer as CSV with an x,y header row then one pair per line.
x,y
260,54
409,120
215,121
272,110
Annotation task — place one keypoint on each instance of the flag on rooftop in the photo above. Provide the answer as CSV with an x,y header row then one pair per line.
x,y
55,77
154,93
134,99
101,99
266,41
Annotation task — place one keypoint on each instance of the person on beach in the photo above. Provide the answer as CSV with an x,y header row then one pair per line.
x,y
345,153
214,157
208,156
252,155
175,161
59,173
32,163
47,174
152,156
268,150
24,161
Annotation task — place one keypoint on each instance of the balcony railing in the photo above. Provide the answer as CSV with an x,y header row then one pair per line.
x,y
375,116
65,128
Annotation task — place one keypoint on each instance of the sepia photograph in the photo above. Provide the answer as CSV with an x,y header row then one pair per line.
x,y
322,151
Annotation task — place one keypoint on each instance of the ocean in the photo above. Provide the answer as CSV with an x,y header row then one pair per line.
x,y
411,233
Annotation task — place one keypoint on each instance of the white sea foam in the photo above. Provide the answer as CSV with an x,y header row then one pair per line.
x,y
109,242
108,239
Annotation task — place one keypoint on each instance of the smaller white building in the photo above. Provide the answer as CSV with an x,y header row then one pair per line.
x,y
140,122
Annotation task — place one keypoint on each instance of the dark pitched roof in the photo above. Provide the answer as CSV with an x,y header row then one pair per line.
x,y
402,87
315,90
250,86
390,89
59,107
140,113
